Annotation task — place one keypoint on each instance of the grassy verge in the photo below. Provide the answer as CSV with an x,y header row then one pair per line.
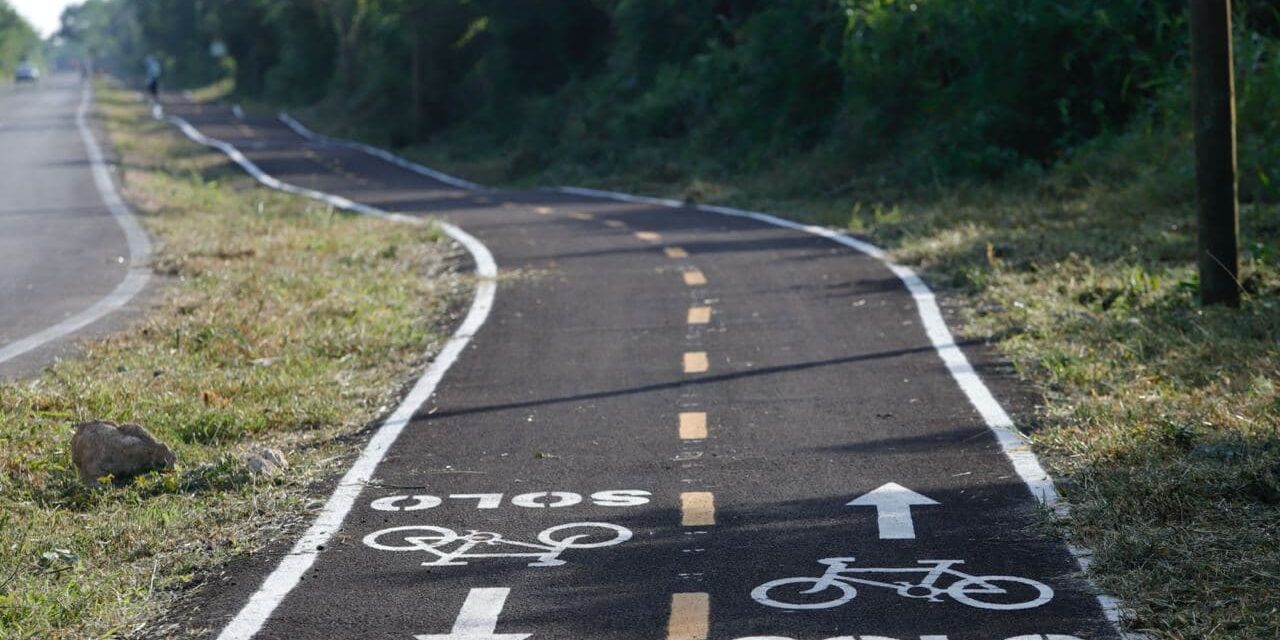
x,y
284,324
1160,419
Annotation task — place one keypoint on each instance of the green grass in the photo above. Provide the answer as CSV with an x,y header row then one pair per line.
x,y
1160,419
282,323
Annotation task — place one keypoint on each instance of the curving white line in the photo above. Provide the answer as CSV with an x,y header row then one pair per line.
x,y
1012,443
383,154
289,572
266,179
136,239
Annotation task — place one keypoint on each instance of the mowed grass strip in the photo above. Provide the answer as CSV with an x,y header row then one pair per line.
x,y
283,323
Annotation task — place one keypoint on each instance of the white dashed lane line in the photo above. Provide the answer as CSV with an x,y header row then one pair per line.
x,y
694,278
690,616
696,362
697,509
693,425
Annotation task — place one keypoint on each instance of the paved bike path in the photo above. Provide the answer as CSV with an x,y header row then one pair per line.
x,y
668,412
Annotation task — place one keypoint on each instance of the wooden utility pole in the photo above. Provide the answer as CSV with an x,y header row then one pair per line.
x,y
415,89
1214,107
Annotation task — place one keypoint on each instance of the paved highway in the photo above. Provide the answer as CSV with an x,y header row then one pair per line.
x,y
674,425
66,260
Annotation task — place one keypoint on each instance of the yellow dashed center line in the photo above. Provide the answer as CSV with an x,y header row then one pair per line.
x,y
693,425
675,252
616,224
699,315
690,616
543,211
696,362
694,278
580,215
697,509
648,236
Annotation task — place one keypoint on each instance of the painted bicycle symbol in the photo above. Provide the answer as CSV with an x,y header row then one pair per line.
x,y
835,587
451,548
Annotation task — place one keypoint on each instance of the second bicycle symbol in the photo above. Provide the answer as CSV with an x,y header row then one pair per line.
x,y
448,548
835,587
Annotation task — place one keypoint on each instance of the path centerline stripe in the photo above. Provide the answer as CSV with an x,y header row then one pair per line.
x,y
693,425
699,315
675,252
581,215
615,224
697,509
543,211
690,616
696,362
694,278
648,236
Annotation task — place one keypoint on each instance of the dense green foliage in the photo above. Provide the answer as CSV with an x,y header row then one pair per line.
x,y
954,88
18,41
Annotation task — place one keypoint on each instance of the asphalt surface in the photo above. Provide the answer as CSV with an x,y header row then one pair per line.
x,y
820,386
61,251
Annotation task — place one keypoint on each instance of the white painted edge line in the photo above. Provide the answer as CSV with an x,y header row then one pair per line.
x,y
136,239
383,154
289,572
1013,443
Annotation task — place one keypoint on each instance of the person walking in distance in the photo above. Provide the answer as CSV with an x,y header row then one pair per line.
x,y
153,75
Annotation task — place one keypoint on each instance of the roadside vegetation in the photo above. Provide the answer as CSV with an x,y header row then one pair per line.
x,y
1032,158
18,41
280,323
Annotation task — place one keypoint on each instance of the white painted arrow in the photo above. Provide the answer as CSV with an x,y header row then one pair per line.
x,y
478,619
893,504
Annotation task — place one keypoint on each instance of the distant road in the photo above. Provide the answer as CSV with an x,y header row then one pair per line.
x,y
64,258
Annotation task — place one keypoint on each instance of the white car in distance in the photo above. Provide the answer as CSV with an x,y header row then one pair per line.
x,y
26,72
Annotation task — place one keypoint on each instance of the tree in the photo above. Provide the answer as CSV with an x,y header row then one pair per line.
x,y
18,40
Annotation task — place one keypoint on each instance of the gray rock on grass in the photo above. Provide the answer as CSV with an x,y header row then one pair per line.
x,y
266,462
101,448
